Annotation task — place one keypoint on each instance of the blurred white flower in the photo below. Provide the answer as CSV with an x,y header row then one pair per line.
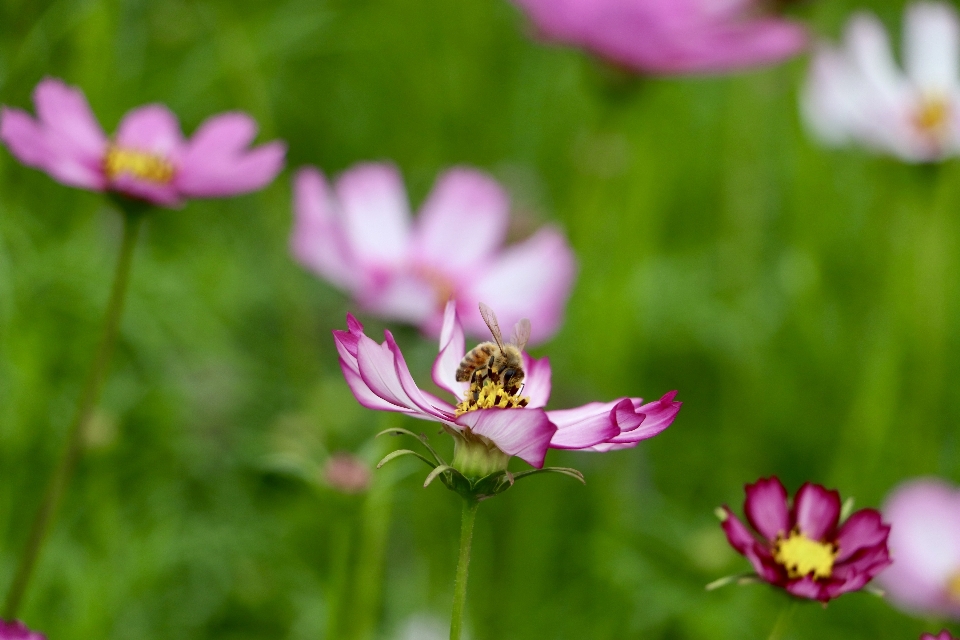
x,y
855,93
422,627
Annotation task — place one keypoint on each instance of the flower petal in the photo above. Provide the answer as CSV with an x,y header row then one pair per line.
x,y
151,129
863,529
766,508
537,381
376,216
529,280
805,587
16,630
738,535
452,350
816,511
64,114
317,239
931,46
525,433
657,416
463,221
588,425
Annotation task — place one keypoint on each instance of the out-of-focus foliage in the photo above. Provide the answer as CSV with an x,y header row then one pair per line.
x,y
802,301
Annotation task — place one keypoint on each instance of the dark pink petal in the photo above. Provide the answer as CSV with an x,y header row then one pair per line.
x,y
738,535
32,145
65,115
376,216
863,529
805,587
586,426
852,582
16,630
816,511
151,129
766,508
868,561
159,193
943,635
765,566
317,240
452,350
537,381
462,223
531,280
658,415
524,433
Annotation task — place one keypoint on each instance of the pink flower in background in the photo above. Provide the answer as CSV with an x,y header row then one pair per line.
x,y
18,631
804,548
943,635
670,36
360,236
515,424
148,158
925,542
856,93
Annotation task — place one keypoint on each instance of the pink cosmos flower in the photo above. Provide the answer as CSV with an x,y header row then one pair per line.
x,y
16,630
856,93
148,158
925,541
804,548
943,635
670,36
489,424
360,236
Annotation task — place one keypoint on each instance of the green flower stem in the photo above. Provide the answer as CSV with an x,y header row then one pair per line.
x,y
61,475
783,620
463,565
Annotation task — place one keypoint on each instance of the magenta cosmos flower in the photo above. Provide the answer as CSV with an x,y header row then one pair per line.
x,y
671,36
16,630
360,237
943,635
925,542
491,419
148,158
856,94
804,548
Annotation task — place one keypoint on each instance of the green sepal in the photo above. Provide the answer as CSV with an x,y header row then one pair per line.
x,y
403,452
398,431
566,471
739,578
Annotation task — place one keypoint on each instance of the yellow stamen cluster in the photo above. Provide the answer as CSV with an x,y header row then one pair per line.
x,y
139,164
933,116
489,395
801,556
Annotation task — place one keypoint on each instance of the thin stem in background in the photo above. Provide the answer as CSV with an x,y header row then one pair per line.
x,y
463,565
783,621
60,478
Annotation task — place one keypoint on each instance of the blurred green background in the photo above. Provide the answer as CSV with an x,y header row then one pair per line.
x,y
802,301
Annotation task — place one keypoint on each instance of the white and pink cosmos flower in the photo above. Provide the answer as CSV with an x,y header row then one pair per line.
x,y
671,36
360,236
925,544
148,159
379,378
855,93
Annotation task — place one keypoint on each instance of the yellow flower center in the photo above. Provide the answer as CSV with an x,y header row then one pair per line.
x,y
953,587
139,164
801,556
489,395
933,116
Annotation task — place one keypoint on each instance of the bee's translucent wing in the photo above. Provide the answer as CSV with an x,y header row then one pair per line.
x,y
491,319
521,334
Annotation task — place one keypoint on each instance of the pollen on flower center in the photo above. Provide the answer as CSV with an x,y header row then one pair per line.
x,y
139,164
489,395
932,116
801,556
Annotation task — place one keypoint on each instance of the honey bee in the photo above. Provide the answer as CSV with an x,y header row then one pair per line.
x,y
500,363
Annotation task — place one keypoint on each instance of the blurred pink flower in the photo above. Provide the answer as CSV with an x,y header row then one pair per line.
x,y
805,549
943,635
359,236
925,542
671,36
148,158
856,93
379,378
347,473
16,630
